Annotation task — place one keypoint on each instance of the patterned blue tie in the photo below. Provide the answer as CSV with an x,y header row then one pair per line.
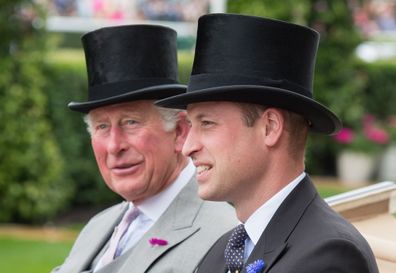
x,y
235,248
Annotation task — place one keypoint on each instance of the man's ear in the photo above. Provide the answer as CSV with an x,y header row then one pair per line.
x,y
182,128
273,120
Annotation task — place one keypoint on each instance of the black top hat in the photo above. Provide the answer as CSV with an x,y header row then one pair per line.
x,y
256,60
127,63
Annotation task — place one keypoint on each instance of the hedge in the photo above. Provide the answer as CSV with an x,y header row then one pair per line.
x,y
380,88
31,165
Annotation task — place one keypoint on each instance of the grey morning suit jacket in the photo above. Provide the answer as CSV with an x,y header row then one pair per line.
x,y
304,236
191,226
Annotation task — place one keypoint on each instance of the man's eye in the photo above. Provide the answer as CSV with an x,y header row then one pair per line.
x,y
207,123
101,126
129,122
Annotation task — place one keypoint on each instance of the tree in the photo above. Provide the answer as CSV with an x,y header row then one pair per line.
x,y
30,162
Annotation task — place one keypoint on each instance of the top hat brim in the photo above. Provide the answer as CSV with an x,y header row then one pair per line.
x,y
320,118
148,93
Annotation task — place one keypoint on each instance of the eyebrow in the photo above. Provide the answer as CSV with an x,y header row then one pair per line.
x,y
206,115
96,117
199,116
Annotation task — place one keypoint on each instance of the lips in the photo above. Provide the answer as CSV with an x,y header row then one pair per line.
x,y
203,171
202,168
125,168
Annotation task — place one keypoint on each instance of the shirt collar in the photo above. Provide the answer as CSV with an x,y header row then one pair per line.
x,y
258,221
154,206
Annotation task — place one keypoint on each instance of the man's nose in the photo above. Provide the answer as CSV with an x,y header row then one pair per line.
x,y
117,141
192,144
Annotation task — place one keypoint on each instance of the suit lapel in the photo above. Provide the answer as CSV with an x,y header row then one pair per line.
x,y
214,259
174,226
96,238
269,257
273,242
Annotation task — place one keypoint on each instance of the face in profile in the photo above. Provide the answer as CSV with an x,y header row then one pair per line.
x,y
229,155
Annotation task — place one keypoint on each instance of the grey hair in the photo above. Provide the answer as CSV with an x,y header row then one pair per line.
x,y
88,122
169,116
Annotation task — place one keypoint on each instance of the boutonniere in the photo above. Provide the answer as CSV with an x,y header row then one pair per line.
x,y
255,267
158,242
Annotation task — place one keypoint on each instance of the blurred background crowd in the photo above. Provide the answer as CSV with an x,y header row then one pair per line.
x,y
175,10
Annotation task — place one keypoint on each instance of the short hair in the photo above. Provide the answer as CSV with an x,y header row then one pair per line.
x,y
251,112
295,124
297,127
169,116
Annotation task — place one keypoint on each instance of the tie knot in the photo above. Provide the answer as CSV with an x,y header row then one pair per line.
x,y
238,236
114,250
235,248
130,215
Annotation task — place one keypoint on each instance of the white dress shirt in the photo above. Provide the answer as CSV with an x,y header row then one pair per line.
x,y
151,209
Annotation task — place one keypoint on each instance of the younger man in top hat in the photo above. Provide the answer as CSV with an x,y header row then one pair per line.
x,y
162,226
250,106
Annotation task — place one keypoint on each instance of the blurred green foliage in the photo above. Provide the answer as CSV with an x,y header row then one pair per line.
x,y
185,59
31,165
379,91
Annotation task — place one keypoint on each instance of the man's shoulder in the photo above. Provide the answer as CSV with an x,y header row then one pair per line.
x,y
325,225
218,207
110,211
219,214
320,230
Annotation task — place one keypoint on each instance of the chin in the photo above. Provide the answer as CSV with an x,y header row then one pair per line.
x,y
208,196
203,195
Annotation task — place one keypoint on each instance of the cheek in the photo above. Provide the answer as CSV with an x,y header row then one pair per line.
x,y
238,153
156,144
145,144
99,152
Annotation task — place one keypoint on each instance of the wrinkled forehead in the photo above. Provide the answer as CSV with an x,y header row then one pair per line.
x,y
139,106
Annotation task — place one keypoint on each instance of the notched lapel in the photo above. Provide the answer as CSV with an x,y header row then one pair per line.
x,y
95,238
174,226
214,259
147,254
269,258
273,242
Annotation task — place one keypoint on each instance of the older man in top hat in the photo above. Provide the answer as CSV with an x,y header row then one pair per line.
x,y
162,226
250,106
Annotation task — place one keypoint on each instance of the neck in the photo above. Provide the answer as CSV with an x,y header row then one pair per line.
x,y
181,163
270,185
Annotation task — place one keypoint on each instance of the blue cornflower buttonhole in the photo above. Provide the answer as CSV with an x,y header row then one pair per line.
x,y
255,267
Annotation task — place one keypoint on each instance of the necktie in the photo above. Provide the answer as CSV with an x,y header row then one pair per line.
x,y
119,231
235,249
